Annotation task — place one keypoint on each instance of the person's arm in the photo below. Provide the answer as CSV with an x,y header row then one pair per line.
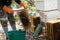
x,y
7,9
22,4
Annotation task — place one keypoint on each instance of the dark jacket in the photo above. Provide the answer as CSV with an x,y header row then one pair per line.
x,y
7,2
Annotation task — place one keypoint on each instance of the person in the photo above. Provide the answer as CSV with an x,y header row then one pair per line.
x,y
6,12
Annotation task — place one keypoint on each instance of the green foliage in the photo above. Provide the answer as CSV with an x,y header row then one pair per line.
x,y
30,4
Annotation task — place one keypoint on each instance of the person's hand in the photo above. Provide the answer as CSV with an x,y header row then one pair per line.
x,y
24,5
7,9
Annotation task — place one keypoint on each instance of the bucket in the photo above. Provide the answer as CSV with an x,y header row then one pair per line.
x,y
17,35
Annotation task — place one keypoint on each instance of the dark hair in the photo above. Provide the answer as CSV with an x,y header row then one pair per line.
x,y
24,18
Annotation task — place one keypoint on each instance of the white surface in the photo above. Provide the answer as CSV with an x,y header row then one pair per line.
x,y
53,21
17,9
52,15
38,0
59,4
39,5
46,4
50,4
